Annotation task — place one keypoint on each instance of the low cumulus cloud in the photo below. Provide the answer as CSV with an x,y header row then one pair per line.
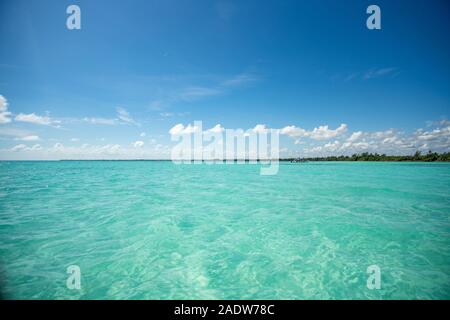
x,y
179,129
5,115
320,133
29,138
36,119
389,141
326,140
85,152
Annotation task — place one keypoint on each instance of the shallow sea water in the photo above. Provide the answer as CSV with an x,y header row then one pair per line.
x,y
156,230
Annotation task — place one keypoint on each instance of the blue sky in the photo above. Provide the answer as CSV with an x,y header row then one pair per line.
x,y
138,68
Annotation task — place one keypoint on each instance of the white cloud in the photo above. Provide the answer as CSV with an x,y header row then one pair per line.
x,y
360,145
18,147
181,129
190,129
86,152
3,104
75,139
323,132
216,129
124,116
36,119
383,134
260,129
313,149
29,138
293,131
355,136
23,147
103,121
375,73
176,129
319,141
142,134
389,141
438,133
36,147
320,133
346,145
333,146
4,113
108,149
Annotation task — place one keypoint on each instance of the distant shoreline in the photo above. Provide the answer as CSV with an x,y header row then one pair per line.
x,y
363,157
375,157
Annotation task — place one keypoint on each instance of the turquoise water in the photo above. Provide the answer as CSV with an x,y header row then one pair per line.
x,y
156,230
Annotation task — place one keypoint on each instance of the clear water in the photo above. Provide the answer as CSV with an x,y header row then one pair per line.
x,y
155,230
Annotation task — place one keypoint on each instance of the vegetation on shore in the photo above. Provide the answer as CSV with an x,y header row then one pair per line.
x,y
418,156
